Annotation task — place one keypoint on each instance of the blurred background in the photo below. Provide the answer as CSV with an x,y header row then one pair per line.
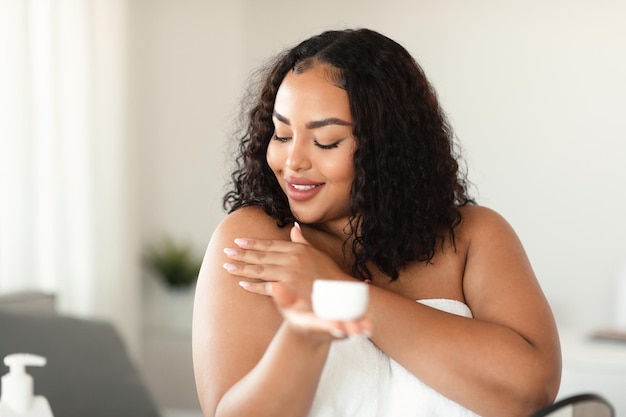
x,y
115,117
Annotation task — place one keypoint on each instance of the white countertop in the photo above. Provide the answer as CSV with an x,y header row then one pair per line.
x,y
593,366
581,349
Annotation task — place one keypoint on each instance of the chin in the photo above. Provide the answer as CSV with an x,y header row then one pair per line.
x,y
307,218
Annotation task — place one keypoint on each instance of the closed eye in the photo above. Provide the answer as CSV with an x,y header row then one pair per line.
x,y
329,146
281,138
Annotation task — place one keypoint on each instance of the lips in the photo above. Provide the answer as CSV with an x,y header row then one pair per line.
x,y
302,189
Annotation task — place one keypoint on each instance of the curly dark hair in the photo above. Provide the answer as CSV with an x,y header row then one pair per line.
x,y
408,185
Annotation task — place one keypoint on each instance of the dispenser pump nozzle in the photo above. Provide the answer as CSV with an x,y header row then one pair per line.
x,y
17,385
18,361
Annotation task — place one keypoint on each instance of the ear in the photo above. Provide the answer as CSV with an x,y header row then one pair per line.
x,y
296,234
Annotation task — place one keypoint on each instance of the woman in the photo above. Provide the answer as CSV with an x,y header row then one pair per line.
x,y
347,171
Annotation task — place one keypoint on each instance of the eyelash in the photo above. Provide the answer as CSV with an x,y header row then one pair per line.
x,y
280,138
331,146
283,139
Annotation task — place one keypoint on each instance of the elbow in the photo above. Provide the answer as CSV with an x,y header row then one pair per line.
x,y
526,403
528,388
542,382
540,400
544,396
540,391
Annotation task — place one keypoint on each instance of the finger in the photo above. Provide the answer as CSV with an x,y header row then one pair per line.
x,y
359,327
338,333
258,257
366,325
354,328
256,271
291,303
263,245
252,256
296,234
307,322
261,288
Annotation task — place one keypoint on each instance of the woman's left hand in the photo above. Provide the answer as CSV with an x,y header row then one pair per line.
x,y
295,308
295,262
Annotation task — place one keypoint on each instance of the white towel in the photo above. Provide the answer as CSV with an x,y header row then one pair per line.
x,y
359,380
354,381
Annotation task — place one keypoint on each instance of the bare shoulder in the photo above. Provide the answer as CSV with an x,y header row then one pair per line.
x,y
486,234
250,222
480,219
480,227
226,317
247,222
499,282
494,251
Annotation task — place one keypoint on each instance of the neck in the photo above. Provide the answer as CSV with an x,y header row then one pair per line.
x,y
339,229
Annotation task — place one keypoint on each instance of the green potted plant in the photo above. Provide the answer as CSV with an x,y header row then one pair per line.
x,y
174,263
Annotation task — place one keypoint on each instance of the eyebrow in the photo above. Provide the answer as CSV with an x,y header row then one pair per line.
x,y
316,123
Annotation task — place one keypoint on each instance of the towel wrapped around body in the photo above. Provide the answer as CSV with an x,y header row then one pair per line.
x,y
359,380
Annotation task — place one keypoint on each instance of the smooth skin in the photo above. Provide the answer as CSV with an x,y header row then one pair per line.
x,y
258,348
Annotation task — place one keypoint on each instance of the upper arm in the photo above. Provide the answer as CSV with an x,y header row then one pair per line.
x,y
231,327
500,285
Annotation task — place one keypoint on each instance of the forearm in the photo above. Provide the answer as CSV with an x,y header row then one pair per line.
x,y
284,381
484,366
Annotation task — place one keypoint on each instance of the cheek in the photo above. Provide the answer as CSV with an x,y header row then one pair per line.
x,y
341,169
272,156
347,166
348,174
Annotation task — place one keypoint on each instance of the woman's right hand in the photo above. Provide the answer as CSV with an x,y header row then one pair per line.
x,y
295,262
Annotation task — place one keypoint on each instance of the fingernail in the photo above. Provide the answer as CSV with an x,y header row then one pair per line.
x,y
230,251
241,242
244,284
296,224
340,334
230,267
268,288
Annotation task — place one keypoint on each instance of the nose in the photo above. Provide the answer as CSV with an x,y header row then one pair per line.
x,y
298,156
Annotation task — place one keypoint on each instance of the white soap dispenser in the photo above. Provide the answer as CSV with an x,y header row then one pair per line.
x,y
17,397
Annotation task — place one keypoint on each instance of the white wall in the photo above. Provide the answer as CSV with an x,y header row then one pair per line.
x,y
187,75
536,91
